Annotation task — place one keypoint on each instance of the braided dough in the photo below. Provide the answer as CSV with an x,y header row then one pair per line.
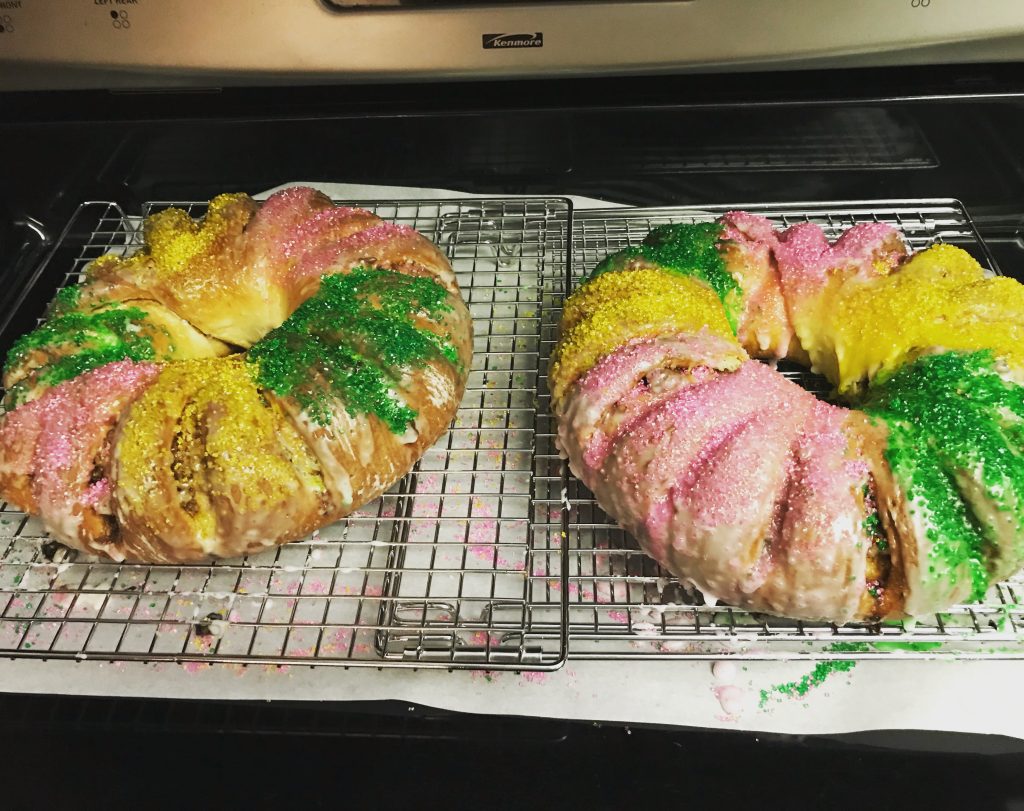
x,y
237,383
738,480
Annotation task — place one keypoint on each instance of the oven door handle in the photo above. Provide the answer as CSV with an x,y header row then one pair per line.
x,y
36,229
35,242
28,252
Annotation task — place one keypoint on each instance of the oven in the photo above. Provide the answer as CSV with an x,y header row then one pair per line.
x,y
471,636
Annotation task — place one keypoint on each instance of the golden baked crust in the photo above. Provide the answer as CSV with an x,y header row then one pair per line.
x,y
264,372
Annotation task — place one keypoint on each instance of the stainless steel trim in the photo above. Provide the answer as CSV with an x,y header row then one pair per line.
x,y
217,42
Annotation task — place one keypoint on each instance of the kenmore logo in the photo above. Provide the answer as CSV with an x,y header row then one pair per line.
x,y
514,40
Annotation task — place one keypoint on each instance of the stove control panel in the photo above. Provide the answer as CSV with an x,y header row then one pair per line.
x,y
179,43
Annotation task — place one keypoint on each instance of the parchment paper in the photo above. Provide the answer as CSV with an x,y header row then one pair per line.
x,y
792,697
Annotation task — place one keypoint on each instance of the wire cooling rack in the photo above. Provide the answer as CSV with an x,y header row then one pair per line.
x,y
623,605
444,570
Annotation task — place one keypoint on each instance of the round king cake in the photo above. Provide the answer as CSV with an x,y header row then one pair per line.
x,y
902,496
237,383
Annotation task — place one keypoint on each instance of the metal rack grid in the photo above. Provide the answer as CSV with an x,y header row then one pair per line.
x,y
441,571
871,138
623,605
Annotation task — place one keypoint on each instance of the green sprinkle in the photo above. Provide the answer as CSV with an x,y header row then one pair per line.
x,y
690,249
952,416
873,529
66,299
105,328
910,646
75,342
800,688
352,340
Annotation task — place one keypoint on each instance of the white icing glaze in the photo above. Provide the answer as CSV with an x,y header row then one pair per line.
x,y
724,672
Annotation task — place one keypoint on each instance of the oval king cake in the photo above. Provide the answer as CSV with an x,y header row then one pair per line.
x,y
236,383
902,500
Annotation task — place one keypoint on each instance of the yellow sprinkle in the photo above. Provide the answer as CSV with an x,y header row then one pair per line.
x,y
175,240
205,422
940,299
616,308
194,267
949,260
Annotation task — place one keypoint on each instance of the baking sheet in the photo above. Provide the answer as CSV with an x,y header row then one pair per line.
x,y
801,696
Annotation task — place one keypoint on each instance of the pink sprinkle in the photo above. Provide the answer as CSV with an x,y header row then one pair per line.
x,y
337,642
805,255
427,483
294,197
97,492
60,451
866,243
742,226
614,374
483,532
481,552
326,224
282,669
360,247
58,437
802,254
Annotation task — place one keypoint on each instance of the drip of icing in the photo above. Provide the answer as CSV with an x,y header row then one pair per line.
x,y
725,672
351,340
730,698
